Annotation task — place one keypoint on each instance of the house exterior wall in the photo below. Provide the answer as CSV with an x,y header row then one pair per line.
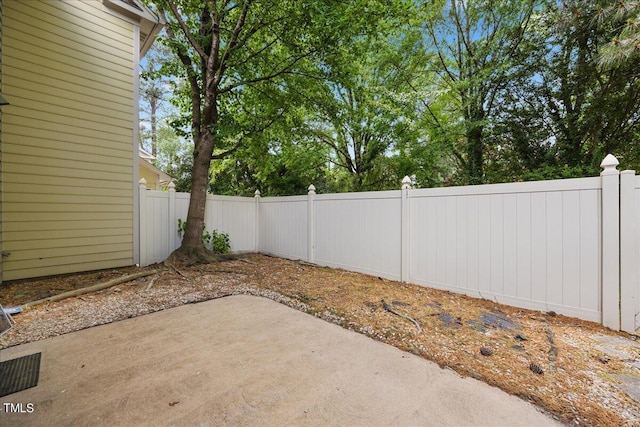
x,y
67,149
153,180
154,177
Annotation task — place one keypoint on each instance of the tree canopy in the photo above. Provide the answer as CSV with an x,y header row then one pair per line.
x,y
355,95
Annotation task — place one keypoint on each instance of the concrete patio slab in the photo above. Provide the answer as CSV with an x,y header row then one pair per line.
x,y
245,360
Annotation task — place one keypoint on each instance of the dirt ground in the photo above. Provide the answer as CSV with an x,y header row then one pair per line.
x,y
556,362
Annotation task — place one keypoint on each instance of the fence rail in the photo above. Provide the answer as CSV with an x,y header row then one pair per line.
x,y
571,246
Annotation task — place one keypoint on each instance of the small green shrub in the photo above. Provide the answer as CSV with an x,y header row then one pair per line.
x,y
215,241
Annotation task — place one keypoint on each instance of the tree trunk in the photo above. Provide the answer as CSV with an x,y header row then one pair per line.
x,y
475,157
153,103
199,182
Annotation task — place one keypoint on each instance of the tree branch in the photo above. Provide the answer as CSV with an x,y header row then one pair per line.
x,y
284,70
193,83
345,155
256,53
259,26
234,39
229,151
452,76
185,30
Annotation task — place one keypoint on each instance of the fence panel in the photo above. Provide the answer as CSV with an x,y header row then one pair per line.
x,y
533,245
634,254
181,210
283,223
571,246
154,234
359,232
159,222
235,216
629,251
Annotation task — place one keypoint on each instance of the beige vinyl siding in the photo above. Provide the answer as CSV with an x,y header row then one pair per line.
x,y
64,140
67,149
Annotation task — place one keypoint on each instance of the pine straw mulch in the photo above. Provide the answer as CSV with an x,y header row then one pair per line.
x,y
550,360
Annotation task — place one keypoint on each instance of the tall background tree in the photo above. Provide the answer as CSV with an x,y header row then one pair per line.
x,y
352,120
478,47
155,91
365,112
572,108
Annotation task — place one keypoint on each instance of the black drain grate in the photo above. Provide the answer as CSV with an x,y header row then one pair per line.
x,y
19,374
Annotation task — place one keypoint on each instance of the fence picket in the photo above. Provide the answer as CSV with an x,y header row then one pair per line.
x,y
629,252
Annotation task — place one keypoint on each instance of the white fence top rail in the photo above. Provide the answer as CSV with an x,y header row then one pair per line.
x,y
391,194
281,199
230,198
593,183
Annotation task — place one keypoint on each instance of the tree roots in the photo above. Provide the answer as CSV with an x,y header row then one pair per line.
x,y
186,256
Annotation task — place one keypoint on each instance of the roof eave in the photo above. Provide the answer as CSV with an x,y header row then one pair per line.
x,y
163,176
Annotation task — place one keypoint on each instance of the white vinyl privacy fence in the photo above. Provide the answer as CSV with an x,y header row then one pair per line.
x,y
571,246
160,211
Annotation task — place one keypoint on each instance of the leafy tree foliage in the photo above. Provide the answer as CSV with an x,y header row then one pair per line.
x,y
624,18
571,110
353,96
366,110
353,121
478,45
225,50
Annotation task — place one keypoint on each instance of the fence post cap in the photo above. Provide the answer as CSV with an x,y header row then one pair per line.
x,y
257,193
406,183
312,189
143,183
609,165
172,186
